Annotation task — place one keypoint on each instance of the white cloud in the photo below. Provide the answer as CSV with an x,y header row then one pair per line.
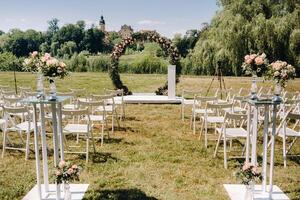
x,y
23,20
150,22
181,31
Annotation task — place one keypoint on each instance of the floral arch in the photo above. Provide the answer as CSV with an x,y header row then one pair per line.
x,y
142,36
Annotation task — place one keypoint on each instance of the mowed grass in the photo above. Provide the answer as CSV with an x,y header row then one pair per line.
x,y
154,155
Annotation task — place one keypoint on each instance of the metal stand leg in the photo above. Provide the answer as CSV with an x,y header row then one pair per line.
x,y
248,134
272,151
36,148
254,136
265,149
60,132
44,148
56,146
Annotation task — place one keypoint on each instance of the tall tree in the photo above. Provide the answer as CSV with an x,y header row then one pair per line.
x,y
244,26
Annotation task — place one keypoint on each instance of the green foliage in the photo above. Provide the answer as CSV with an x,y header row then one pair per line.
x,y
9,62
78,63
99,63
243,27
22,43
148,64
67,49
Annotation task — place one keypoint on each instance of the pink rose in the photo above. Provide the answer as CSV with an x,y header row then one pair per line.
x,y
62,65
247,57
61,164
249,61
35,53
58,173
74,166
253,56
246,166
70,171
259,60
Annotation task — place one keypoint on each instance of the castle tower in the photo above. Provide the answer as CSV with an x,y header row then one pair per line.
x,y
102,24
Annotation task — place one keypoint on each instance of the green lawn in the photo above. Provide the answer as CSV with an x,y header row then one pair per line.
x,y
154,155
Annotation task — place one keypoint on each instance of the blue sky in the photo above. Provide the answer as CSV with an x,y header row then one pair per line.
x,y
166,16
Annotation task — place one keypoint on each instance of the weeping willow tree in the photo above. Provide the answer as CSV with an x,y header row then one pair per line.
x,y
244,26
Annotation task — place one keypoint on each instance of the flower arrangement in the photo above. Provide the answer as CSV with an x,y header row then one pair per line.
x,y
255,64
49,66
281,72
142,36
248,173
66,172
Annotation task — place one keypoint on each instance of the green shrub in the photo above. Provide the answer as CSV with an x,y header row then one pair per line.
x,y
78,63
99,63
148,64
9,62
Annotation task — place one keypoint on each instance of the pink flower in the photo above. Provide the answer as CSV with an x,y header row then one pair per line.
x,y
253,56
259,60
46,57
62,65
70,171
35,53
247,57
74,166
61,164
58,173
246,166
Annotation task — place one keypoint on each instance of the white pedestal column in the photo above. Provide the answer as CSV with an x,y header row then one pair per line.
x,y
171,81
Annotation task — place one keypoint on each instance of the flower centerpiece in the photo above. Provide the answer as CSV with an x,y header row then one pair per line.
x,y
65,173
248,175
255,65
47,66
281,72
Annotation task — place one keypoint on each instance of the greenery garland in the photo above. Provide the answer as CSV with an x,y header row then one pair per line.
x,y
151,36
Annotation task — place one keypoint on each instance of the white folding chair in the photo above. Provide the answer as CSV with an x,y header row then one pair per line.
x,y
109,107
13,126
118,100
232,128
284,131
95,116
187,99
82,127
199,110
216,117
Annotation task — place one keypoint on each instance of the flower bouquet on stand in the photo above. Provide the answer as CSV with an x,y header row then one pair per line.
x,y
255,65
248,175
281,72
45,66
65,173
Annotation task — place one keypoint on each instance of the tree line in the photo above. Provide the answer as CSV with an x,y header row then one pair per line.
x,y
239,27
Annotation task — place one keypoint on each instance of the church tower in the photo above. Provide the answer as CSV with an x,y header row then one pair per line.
x,y
102,24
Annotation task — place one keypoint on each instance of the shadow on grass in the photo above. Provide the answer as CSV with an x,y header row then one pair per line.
x,y
113,140
294,158
132,118
118,194
126,129
295,191
99,157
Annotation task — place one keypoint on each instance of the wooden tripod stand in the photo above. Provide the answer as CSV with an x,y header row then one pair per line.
x,y
219,76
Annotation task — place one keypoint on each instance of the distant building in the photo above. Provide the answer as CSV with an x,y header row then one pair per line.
x,y
125,31
102,24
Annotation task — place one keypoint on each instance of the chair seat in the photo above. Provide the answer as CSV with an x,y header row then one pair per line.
x,y
202,111
289,132
234,132
96,118
235,109
214,119
76,128
188,101
70,106
108,108
24,126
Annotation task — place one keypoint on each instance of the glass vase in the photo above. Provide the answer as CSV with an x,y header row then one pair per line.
x,y
277,92
67,192
253,95
249,195
52,90
40,86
